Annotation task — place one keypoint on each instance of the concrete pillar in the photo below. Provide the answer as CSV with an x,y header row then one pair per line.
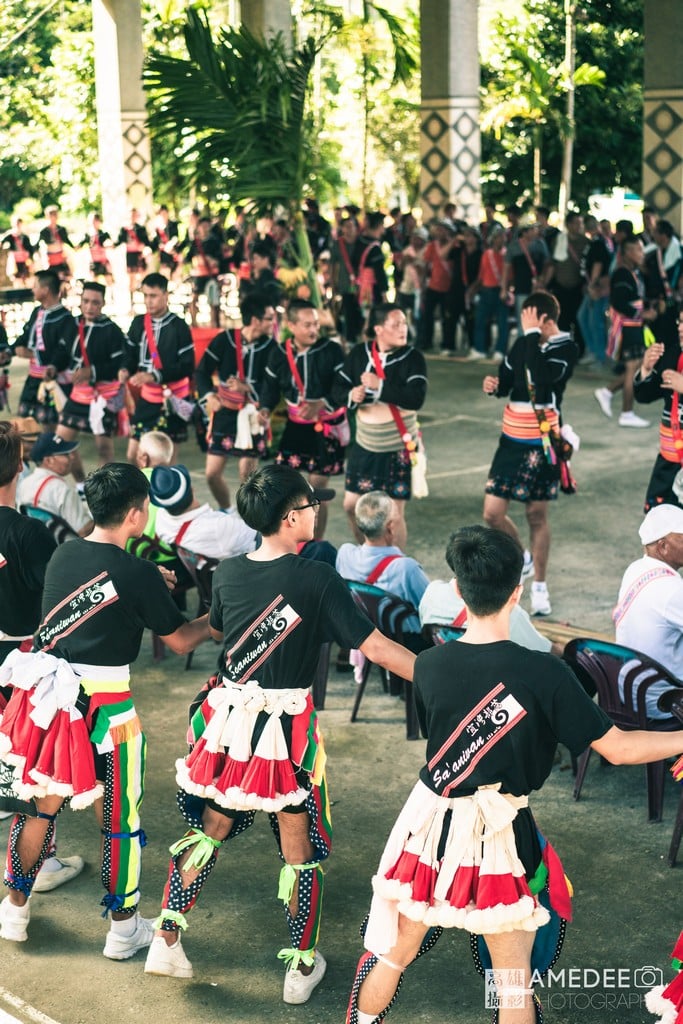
x,y
268,17
663,109
450,147
125,160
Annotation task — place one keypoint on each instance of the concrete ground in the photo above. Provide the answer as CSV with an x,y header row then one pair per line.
x,y
627,914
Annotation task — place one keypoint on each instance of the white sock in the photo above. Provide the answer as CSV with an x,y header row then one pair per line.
x,y
126,927
527,556
51,863
539,588
365,1018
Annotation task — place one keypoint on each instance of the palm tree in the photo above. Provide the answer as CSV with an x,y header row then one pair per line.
x,y
237,106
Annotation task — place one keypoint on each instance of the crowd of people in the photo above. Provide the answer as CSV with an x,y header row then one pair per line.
x,y
341,390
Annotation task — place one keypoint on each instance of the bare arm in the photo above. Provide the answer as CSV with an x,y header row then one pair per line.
x,y
188,636
215,634
381,651
638,747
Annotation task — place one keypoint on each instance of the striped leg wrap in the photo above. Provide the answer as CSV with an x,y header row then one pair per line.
x,y
304,926
123,836
14,875
365,965
178,900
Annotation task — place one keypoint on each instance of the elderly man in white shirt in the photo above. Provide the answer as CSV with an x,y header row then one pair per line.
x,y
45,488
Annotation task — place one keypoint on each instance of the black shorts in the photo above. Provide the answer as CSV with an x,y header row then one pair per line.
x,y
521,472
135,262
378,471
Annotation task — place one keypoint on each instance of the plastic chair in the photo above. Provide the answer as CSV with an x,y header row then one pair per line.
x,y
438,634
390,615
58,527
622,678
200,571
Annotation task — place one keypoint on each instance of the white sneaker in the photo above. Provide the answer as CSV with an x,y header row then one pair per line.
x,y
528,567
497,357
474,354
14,920
122,947
68,868
540,602
629,419
299,987
604,397
169,961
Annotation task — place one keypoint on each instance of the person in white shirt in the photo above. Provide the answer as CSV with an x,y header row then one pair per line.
x,y
45,488
181,520
649,612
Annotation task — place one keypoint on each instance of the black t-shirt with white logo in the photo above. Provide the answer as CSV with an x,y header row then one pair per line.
x,y
495,713
26,547
97,602
274,616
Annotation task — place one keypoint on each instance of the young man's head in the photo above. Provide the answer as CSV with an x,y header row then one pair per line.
x,y
92,300
267,498
53,452
112,491
487,565
388,325
302,321
10,453
46,286
632,251
574,223
155,292
253,310
155,449
545,304
374,224
373,513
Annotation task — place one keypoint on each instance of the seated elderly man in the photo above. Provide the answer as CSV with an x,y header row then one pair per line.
x,y
378,560
182,521
45,488
649,612
442,605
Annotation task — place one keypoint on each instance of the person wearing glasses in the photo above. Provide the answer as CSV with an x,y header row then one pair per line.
x,y
257,741
45,488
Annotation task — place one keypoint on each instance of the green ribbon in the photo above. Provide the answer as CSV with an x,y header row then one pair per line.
x,y
294,957
288,878
104,715
171,915
538,882
204,847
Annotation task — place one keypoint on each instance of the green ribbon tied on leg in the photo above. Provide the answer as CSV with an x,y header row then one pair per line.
x,y
294,957
171,915
288,878
204,847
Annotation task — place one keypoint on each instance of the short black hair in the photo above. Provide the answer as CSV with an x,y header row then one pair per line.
x,y
379,314
544,303
265,498
263,249
296,306
10,453
94,286
50,280
253,305
487,565
374,220
156,281
113,490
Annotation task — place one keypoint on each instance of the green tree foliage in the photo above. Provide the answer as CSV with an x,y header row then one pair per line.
x,y
608,141
47,104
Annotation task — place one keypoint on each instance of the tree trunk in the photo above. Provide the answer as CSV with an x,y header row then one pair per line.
x,y
538,160
568,152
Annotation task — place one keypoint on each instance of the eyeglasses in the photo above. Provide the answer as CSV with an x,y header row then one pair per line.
x,y
300,508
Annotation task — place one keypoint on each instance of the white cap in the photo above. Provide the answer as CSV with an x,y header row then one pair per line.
x,y
659,522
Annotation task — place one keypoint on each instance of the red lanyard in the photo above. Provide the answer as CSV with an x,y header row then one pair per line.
x,y
405,434
676,415
294,369
82,343
151,343
347,262
239,355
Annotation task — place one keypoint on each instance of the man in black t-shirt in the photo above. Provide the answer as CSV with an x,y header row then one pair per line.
x,y
465,851
257,744
70,729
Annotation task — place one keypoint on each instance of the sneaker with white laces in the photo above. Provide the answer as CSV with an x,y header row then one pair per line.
x,y
299,987
66,869
630,419
122,947
14,920
540,602
169,961
603,397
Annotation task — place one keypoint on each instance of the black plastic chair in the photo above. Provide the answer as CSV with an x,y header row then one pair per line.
x,y
390,615
200,571
438,634
622,679
58,527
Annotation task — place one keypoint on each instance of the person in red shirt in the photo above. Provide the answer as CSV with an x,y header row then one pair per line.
x,y
437,257
492,304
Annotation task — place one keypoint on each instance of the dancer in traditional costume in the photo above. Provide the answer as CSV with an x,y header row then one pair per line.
x,y
465,851
229,383
161,367
70,730
385,382
255,734
302,370
525,467
660,376
54,237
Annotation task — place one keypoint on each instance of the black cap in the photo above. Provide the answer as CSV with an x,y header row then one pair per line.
x,y
170,487
51,444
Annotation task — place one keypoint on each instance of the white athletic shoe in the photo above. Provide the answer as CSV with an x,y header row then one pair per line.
x,y
169,961
604,397
299,987
629,419
540,601
474,354
68,868
14,920
497,357
122,947
528,567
